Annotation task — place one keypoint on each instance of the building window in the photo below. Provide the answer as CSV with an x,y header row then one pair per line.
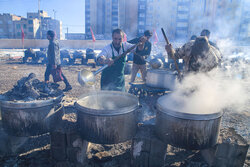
x,y
150,8
182,16
115,7
181,32
182,24
114,18
1,22
149,23
141,23
142,15
9,22
183,8
30,16
150,16
142,6
30,29
114,22
141,30
87,6
114,13
30,21
24,26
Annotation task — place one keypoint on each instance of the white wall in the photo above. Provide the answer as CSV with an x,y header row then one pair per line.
x,y
39,43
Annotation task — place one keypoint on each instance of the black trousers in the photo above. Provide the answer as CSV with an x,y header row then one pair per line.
x,y
48,72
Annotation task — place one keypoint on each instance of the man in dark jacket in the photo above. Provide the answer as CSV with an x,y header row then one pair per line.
x,y
54,61
142,51
198,55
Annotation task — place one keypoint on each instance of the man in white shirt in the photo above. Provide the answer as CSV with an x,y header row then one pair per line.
x,y
112,77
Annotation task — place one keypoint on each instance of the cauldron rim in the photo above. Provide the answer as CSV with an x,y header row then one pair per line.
x,y
162,71
189,116
30,104
105,112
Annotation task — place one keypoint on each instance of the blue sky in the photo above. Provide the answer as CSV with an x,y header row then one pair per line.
x,y
70,12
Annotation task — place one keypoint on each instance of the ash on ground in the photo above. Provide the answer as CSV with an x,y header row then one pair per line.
x,y
30,88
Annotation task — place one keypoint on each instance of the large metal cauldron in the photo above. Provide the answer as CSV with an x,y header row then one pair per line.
x,y
161,78
107,117
186,130
128,68
31,118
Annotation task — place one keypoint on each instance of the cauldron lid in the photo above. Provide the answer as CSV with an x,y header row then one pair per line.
x,y
162,107
107,103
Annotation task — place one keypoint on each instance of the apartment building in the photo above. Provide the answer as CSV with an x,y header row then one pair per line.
x,y
102,16
244,29
35,26
51,24
47,23
7,27
180,18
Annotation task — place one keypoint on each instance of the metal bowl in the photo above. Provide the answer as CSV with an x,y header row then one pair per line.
x,y
156,63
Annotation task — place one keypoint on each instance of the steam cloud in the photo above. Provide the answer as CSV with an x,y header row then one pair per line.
x,y
225,87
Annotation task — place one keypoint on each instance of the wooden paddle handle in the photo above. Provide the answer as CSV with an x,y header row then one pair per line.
x,y
175,63
165,37
127,51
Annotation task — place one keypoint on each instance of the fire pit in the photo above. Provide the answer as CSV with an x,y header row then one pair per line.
x,y
30,118
184,129
107,117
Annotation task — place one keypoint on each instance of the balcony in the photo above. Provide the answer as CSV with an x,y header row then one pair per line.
x,y
182,20
180,29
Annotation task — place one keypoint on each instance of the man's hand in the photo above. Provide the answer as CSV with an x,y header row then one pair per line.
x,y
169,49
109,61
104,60
53,66
101,59
140,46
143,39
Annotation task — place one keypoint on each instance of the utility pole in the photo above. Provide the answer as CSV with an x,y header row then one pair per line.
x,y
39,19
67,32
54,11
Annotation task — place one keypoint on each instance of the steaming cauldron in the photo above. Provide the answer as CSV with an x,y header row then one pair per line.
x,y
186,130
107,117
160,78
31,118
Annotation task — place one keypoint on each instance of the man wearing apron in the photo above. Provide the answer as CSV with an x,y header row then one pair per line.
x,y
112,78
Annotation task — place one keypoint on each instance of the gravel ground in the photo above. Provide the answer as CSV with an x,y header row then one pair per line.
x,y
37,153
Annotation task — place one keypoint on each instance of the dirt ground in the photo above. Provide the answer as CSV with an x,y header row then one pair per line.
x,y
37,151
